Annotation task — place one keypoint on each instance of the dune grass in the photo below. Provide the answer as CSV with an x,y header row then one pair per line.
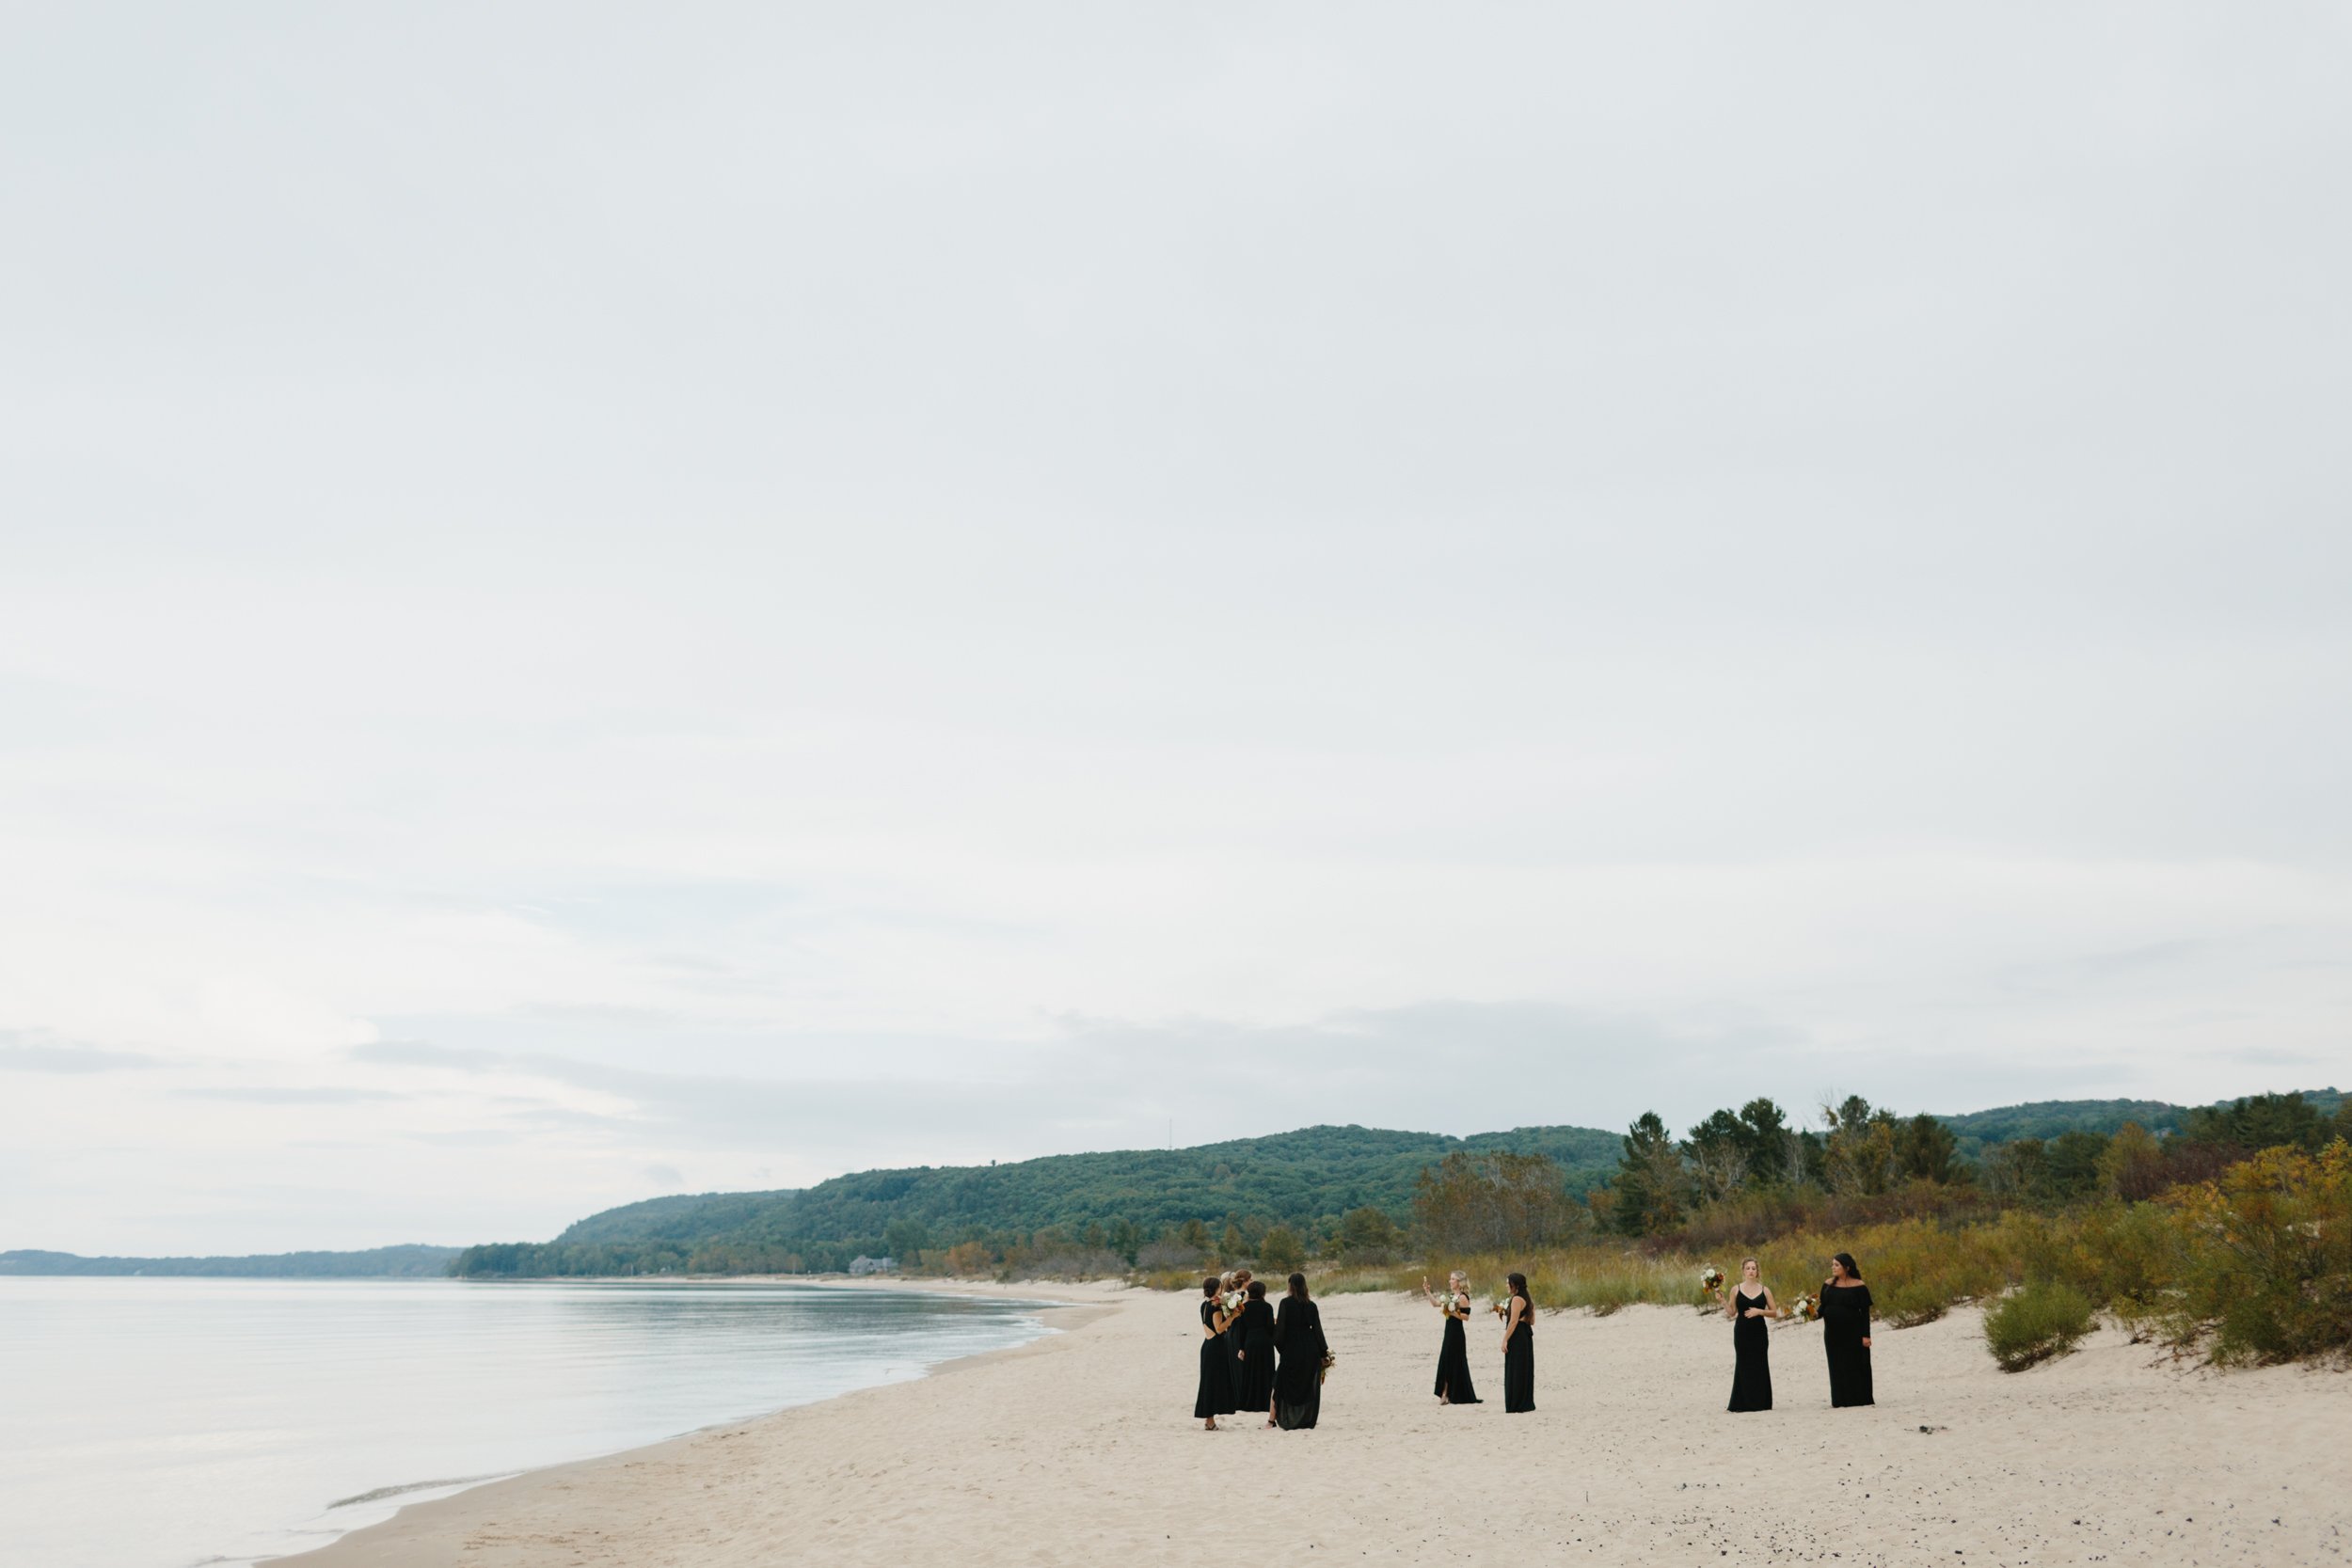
x,y
2253,1266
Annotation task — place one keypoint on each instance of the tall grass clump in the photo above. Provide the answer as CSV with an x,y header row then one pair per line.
x,y
2044,1319
1597,1276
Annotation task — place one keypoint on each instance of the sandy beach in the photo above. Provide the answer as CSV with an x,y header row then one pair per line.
x,y
1080,1449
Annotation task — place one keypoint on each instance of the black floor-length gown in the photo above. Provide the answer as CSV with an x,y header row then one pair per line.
x,y
1236,1368
1518,1364
1751,1341
1845,1323
1454,1374
1216,1396
1257,1368
1298,1386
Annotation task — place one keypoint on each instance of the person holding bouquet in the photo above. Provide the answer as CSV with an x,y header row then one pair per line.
x,y
1519,1348
1298,1335
1454,1374
1846,1333
1216,1396
1236,1297
1750,1307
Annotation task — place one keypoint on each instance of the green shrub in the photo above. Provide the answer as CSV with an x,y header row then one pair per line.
x,y
2266,1259
1281,1251
2044,1319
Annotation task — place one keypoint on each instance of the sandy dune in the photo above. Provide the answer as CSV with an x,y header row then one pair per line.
x,y
1080,1449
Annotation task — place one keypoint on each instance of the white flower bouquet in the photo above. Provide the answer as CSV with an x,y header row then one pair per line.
x,y
1711,1282
1805,1308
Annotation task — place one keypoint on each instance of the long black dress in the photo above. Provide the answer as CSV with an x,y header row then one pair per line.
x,y
1236,1368
1257,1368
1216,1396
1845,1323
1751,1341
1518,1362
1298,1386
1454,1374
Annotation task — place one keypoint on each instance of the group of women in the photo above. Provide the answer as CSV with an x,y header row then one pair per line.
x,y
1256,1359
1844,1305
1241,1338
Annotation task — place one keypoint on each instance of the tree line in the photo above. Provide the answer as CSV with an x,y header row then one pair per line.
x,y
1366,1197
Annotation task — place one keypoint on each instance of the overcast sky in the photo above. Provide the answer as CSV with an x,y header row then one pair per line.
x,y
609,600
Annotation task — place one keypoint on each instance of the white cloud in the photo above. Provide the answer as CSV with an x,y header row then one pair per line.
x,y
780,565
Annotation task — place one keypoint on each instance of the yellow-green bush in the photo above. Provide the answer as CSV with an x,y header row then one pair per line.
x,y
2046,1317
2265,1259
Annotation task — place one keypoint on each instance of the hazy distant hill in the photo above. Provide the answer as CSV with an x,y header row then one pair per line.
x,y
383,1263
2047,1118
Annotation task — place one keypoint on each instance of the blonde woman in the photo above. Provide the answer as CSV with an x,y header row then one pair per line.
x,y
1454,1374
1750,1307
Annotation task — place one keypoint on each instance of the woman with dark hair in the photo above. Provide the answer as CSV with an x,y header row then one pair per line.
x,y
1256,1329
1454,1374
1519,1349
1216,1396
1846,1332
1298,1334
1750,1307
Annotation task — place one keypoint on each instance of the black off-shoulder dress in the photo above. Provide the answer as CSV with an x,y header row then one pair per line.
x,y
1845,1323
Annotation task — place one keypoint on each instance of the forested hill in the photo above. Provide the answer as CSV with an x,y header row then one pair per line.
x,y
383,1263
2048,1118
1306,1179
1119,1203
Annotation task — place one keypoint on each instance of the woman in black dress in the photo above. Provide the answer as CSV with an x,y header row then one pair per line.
x,y
1236,1283
1846,1332
1519,1349
1298,1334
1216,1396
1751,1308
1454,1374
1256,1329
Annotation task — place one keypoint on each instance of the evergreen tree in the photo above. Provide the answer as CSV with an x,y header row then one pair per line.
x,y
1765,1128
1651,1184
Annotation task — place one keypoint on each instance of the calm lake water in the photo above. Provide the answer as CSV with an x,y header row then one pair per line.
x,y
162,1423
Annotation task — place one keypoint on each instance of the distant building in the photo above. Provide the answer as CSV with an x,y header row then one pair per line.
x,y
863,1264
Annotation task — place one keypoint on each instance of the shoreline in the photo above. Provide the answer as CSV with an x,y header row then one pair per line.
x,y
1058,1316
1078,1445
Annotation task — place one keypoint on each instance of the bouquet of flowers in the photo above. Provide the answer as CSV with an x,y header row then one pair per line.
x,y
1805,1308
1323,1371
1233,1301
1711,1282
1500,1307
